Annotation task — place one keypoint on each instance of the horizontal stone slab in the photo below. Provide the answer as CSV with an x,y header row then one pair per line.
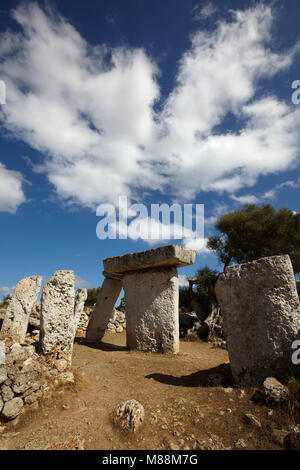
x,y
170,255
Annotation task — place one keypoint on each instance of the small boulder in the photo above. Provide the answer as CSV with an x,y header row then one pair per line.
x,y
249,418
12,408
7,393
3,375
19,352
129,415
272,393
67,378
61,365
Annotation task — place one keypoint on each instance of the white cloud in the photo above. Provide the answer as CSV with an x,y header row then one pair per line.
x,y
182,280
200,13
4,291
89,110
272,193
82,283
198,244
11,192
245,199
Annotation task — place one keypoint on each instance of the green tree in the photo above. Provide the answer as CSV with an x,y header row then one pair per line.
x,y
255,232
203,292
184,298
92,295
6,299
206,279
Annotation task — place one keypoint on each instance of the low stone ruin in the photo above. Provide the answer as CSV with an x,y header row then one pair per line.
x,y
26,377
261,314
28,371
150,282
57,316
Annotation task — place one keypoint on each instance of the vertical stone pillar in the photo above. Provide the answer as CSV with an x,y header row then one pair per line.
x,y
16,320
261,313
80,298
57,315
152,320
2,354
103,310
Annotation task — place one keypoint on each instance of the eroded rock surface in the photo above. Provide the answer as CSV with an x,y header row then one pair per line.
x,y
15,322
80,298
129,415
103,310
57,315
152,320
261,312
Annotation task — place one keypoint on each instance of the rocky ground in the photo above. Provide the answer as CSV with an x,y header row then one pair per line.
x,y
189,401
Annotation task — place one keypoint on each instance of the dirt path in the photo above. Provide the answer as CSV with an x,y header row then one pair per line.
x,y
181,410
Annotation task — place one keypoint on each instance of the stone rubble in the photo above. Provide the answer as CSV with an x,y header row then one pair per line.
x,y
26,378
271,393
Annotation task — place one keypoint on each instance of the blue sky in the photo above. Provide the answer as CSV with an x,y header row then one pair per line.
x,y
173,101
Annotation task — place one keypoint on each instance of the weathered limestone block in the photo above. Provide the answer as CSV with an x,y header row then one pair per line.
x,y
15,323
57,315
103,310
152,320
80,298
2,353
34,319
261,311
164,256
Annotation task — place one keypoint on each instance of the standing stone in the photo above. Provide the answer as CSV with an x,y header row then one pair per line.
x,y
152,320
80,298
103,310
2,353
15,323
261,311
57,315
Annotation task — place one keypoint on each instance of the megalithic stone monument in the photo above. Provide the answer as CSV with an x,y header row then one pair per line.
x,y
150,282
16,320
261,314
103,310
57,315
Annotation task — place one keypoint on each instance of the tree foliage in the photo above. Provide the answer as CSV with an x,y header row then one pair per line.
x,y
255,232
92,295
184,298
204,282
6,299
206,279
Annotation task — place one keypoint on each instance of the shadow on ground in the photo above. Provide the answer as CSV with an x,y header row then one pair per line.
x,y
100,345
197,379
